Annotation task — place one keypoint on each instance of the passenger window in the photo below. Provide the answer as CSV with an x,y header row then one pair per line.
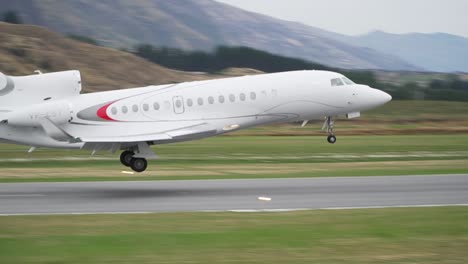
x,y
145,107
232,98
211,100
221,99
135,108
242,96
200,101
336,82
253,96
156,106
124,109
114,110
189,102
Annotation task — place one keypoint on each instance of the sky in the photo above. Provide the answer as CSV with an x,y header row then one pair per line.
x,y
355,17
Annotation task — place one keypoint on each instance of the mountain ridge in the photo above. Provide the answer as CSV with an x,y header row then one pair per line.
x,y
201,24
439,52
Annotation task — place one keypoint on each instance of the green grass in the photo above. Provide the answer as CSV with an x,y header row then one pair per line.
x,y
233,149
439,146
419,111
252,157
400,235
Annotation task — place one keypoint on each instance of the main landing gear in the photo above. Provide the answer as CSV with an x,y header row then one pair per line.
x,y
135,158
329,124
136,164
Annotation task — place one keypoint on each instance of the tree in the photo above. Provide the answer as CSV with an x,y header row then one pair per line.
x,y
12,17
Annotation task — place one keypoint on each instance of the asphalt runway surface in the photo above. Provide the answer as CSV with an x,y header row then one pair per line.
x,y
227,195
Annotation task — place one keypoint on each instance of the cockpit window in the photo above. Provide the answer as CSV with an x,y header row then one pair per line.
x,y
347,81
336,82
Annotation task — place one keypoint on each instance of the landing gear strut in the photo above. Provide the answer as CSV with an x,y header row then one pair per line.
x,y
329,125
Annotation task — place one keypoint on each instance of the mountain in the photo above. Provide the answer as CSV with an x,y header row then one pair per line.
x,y
438,52
25,48
196,25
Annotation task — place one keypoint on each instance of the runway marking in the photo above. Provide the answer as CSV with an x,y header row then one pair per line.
x,y
22,195
243,210
267,199
128,172
337,208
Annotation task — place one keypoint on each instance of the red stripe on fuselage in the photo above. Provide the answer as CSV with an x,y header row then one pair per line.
x,y
102,112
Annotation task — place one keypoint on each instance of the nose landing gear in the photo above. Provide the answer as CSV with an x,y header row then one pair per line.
x,y
329,124
331,139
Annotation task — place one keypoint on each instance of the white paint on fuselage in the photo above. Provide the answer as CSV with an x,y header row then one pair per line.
x,y
238,102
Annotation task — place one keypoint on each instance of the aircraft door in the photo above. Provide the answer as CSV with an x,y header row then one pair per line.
x,y
178,103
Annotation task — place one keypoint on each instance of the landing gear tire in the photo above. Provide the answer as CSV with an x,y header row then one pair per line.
x,y
126,157
138,164
328,125
331,139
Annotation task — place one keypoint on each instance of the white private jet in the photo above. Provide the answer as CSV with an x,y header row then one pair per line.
x,y
47,110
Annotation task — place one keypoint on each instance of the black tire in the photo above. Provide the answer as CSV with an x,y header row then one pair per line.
x,y
139,164
126,157
331,139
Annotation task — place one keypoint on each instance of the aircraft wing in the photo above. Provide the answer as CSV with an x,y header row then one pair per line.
x,y
199,130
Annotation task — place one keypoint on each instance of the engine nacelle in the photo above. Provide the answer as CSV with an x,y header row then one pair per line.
x,y
6,84
37,88
58,112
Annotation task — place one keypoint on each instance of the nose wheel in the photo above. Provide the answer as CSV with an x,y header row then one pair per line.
x,y
328,125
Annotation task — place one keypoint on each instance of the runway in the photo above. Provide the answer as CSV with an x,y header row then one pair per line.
x,y
236,195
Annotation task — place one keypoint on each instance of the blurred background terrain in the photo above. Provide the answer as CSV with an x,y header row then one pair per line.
x,y
119,44
215,37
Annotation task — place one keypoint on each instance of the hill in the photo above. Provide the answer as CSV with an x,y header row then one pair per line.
x,y
196,25
435,52
25,48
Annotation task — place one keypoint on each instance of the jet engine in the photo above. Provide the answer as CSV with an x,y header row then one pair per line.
x,y
6,84
23,91
57,112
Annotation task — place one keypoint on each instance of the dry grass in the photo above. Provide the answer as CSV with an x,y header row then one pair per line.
x,y
25,48
240,170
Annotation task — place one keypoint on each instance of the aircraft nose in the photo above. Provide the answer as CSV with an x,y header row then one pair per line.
x,y
382,96
369,98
